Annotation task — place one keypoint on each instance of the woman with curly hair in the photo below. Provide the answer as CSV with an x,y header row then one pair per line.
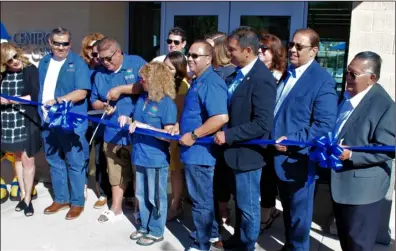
x,y
20,124
154,110
87,44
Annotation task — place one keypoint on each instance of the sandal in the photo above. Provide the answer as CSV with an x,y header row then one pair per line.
x,y
29,210
148,240
21,206
109,215
136,235
267,224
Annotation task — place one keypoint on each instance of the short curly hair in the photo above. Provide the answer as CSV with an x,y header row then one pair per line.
x,y
86,42
160,80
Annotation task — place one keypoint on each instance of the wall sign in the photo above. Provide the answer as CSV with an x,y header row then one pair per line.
x,y
34,43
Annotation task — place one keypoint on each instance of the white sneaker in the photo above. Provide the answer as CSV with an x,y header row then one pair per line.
x,y
193,235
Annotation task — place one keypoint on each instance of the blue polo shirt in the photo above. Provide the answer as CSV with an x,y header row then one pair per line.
x,y
150,151
73,75
104,80
206,97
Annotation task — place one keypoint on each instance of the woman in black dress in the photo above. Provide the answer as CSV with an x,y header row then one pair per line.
x,y
20,124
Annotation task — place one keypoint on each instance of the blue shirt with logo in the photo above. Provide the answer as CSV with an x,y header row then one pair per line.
x,y
206,97
150,151
104,80
73,75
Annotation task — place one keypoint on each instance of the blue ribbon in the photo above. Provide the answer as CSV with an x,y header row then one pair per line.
x,y
60,116
325,152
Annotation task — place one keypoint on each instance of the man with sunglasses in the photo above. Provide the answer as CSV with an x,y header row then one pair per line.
x,y
176,42
120,70
204,113
305,108
366,117
64,75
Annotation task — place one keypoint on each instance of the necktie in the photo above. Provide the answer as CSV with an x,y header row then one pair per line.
x,y
291,71
237,80
345,110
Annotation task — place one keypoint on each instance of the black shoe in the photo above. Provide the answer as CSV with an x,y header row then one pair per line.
x,y
29,210
233,243
20,206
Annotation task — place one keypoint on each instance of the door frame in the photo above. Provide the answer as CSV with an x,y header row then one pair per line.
x,y
297,11
171,9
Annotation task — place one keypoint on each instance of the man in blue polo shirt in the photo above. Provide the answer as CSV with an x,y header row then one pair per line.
x,y
204,113
64,75
120,69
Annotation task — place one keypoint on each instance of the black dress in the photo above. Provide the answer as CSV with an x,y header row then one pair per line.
x,y
20,124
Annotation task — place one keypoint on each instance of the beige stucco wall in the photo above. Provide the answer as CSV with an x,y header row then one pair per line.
x,y
373,28
81,18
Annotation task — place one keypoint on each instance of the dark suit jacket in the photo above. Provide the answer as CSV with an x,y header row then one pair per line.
x,y
308,111
251,113
365,178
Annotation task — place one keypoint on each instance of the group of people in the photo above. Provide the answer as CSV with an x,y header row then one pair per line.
x,y
232,87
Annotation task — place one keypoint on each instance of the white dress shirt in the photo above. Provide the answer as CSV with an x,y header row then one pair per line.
x,y
246,69
285,87
346,108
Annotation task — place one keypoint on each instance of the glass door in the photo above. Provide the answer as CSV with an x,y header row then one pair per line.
x,y
279,18
196,18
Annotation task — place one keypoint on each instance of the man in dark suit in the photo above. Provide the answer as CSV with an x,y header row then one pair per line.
x,y
306,107
251,98
366,117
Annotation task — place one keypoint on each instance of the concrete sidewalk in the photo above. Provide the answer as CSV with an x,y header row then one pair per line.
x,y
53,232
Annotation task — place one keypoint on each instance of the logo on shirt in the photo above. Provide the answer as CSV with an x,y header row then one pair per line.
x,y
129,74
153,110
71,67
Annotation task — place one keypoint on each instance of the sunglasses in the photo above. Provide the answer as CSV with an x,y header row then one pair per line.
x,y
299,47
176,42
58,44
108,58
194,55
15,57
354,75
263,48
94,54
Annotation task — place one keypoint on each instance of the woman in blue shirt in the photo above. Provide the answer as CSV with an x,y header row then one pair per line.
x,y
154,110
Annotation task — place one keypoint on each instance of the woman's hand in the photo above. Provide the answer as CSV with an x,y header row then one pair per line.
x,y
174,130
136,124
5,101
123,120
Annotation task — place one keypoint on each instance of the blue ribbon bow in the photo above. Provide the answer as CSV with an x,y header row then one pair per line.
x,y
326,152
60,116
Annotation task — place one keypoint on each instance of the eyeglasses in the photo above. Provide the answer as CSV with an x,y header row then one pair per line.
x,y
354,75
194,55
15,57
94,54
108,58
299,47
263,48
58,44
176,42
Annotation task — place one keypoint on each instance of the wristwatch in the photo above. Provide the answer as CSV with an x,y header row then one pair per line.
x,y
194,136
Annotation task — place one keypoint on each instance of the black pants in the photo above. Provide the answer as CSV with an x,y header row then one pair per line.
x,y
357,225
268,183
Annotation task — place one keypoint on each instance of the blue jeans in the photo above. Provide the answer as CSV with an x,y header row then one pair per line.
x,y
199,181
149,193
247,196
66,153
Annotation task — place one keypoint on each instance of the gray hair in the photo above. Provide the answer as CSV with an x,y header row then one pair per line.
x,y
374,60
246,37
107,43
59,31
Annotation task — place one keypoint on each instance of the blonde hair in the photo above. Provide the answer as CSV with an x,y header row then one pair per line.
x,y
160,81
7,50
221,54
86,42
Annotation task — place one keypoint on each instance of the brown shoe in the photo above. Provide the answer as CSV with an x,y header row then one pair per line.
x,y
218,244
101,202
56,207
74,212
